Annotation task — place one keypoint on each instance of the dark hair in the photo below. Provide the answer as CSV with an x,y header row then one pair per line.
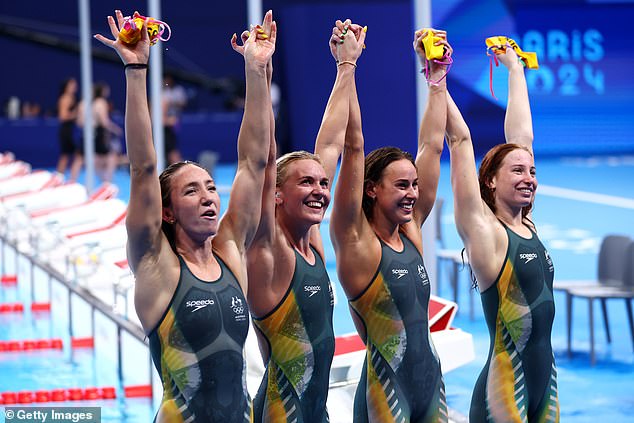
x,y
284,162
64,85
488,168
165,179
375,164
98,89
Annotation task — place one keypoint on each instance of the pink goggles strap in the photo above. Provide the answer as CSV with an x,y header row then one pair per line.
x,y
446,60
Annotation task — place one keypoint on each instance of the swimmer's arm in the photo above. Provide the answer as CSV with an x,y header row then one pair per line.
x,y
240,222
518,122
432,130
144,216
468,206
348,222
266,227
260,257
332,132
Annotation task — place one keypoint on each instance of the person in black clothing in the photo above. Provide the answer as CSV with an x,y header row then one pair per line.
x,y
67,114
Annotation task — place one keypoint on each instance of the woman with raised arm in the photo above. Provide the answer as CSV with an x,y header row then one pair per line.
x,y
290,295
513,269
190,268
105,128
376,231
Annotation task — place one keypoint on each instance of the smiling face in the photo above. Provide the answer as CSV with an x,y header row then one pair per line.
x,y
515,182
304,194
194,202
396,192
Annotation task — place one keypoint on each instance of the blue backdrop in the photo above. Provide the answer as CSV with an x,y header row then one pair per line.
x,y
582,96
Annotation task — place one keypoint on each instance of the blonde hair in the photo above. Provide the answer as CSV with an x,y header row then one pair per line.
x,y
284,162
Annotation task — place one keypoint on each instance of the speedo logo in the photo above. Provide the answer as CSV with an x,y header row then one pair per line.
x,y
198,304
528,257
399,273
312,289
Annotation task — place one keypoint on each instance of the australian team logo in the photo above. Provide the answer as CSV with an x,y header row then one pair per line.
x,y
422,273
331,294
238,309
549,261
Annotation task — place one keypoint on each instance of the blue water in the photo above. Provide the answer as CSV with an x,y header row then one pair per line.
x,y
70,367
570,229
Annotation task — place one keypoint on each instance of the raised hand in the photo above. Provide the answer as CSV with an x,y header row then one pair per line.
x,y
508,57
335,38
420,49
347,41
263,32
258,45
243,37
129,53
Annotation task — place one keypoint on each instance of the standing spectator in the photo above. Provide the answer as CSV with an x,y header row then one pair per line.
x,y
105,160
67,114
174,100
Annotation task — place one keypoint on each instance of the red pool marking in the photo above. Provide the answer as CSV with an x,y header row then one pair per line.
x,y
9,280
25,397
58,395
75,394
123,264
441,313
348,343
11,308
53,181
117,221
31,345
28,345
137,391
92,393
40,307
9,398
108,392
105,192
42,396
82,342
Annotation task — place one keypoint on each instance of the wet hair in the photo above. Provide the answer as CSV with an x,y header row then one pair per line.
x,y
284,162
488,168
375,164
165,179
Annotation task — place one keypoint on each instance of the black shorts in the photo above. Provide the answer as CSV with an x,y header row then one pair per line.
x,y
66,141
102,142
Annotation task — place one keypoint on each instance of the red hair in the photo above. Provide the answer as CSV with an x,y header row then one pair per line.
x,y
488,168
